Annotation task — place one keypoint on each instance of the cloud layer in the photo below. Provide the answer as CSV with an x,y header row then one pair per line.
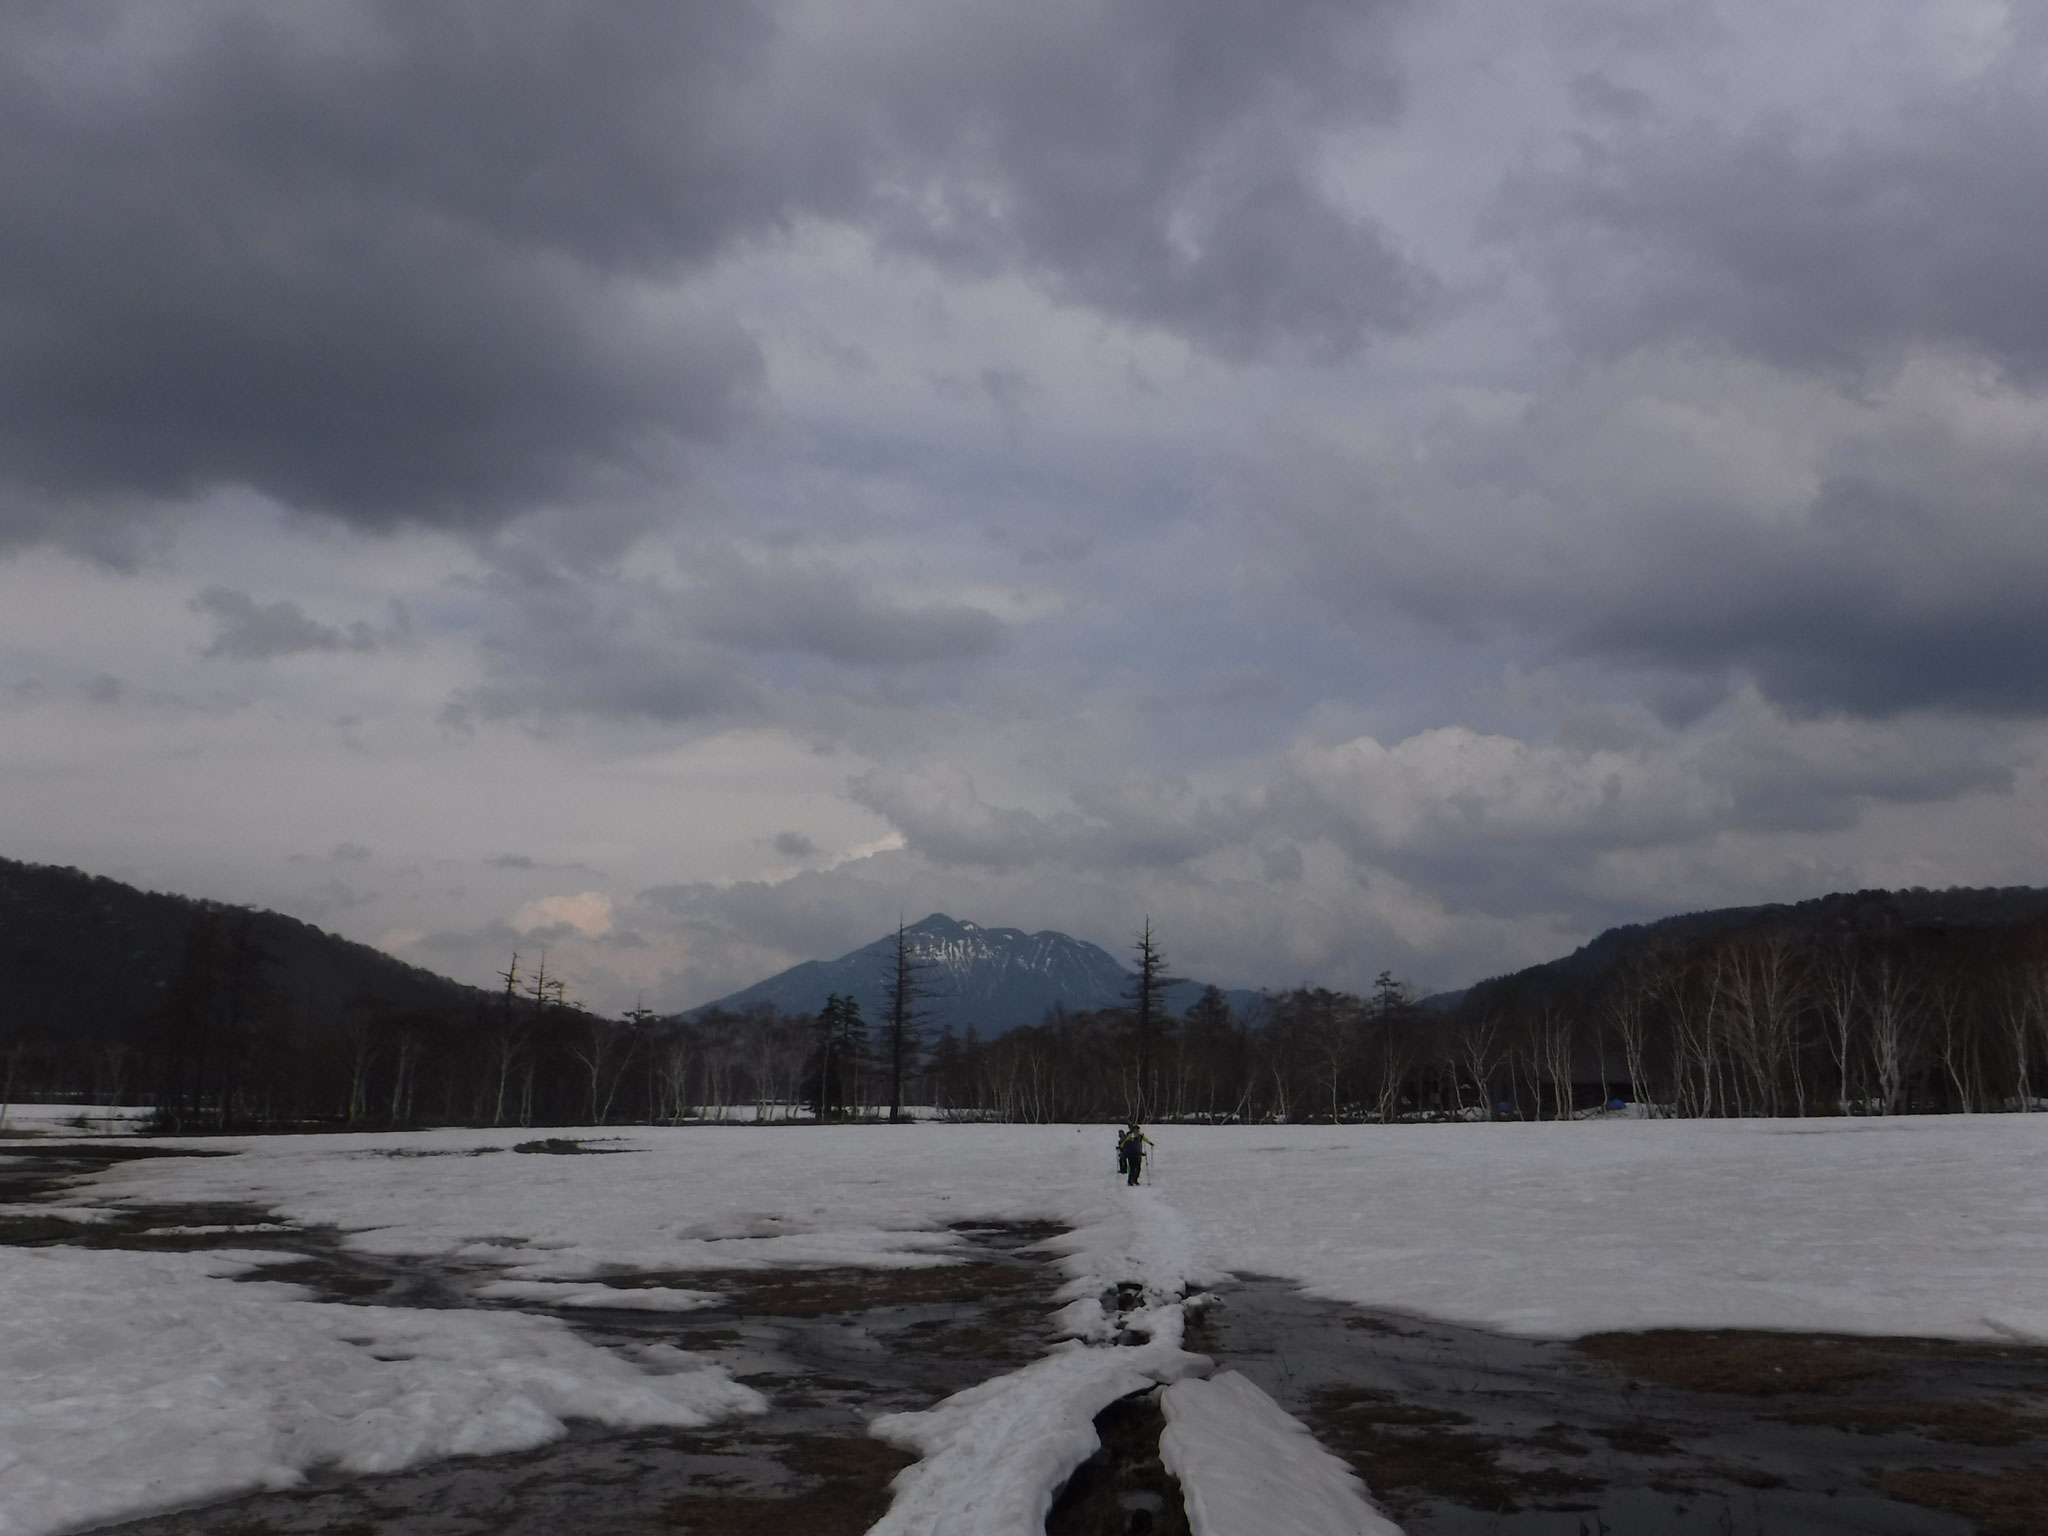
x,y
1363,484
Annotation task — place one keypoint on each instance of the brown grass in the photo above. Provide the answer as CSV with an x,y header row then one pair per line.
x,y
849,1493
1962,1423
1736,1361
2004,1504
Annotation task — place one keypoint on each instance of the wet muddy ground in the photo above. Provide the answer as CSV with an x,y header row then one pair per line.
x,y
829,1348
1457,1430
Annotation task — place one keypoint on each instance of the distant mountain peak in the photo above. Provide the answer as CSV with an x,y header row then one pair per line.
x,y
994,979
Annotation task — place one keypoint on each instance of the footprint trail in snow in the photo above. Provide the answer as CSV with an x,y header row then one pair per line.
x,y
995,1455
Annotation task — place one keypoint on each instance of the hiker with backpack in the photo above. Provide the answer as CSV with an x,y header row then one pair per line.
x,y
1130,1152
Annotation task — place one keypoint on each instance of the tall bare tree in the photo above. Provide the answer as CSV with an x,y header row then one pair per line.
x,y
901,1040
1149,1005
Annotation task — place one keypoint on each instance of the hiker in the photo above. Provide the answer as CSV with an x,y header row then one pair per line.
x,y
1130,1152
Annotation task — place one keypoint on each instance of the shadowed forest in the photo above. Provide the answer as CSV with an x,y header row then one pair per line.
x,y
231,1019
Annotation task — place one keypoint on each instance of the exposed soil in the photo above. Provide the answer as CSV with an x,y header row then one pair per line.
x,y
2008,1504
830,1349
1456,1430
1124,1489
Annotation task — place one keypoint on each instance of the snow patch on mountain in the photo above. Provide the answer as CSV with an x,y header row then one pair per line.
x,y
991,979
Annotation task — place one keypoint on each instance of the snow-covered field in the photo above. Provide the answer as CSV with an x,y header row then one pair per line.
x,y
131,1381
72,1119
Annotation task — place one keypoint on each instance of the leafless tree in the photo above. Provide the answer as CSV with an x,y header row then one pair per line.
x,y
1479,1045
900,1037
1148,1008
1626,1009
1894,1026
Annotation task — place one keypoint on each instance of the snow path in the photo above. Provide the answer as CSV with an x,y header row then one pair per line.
x,y
132,1382
1249,1468
996,1454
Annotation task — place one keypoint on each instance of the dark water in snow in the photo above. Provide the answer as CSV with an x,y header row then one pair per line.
x,y
1457,1430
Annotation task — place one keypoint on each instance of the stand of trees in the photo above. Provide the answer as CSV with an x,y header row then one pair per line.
x,y
228,1019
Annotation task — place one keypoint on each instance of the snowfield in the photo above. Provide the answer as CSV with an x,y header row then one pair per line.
x,y
136,1381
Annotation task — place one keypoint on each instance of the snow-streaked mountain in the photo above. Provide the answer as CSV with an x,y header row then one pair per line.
x,y
992,978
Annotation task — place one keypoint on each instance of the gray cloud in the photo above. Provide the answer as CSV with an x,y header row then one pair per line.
x,y
409,264
1687,527
558,642
1154,160
1809,242
794,845
246,630
832,614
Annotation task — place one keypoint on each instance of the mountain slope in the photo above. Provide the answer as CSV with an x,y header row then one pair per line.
x,y
994,979
1845,915
85,956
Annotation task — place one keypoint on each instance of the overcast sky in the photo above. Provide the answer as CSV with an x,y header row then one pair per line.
x,y
1367,484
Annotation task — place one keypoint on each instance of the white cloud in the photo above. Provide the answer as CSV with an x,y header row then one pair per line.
x,y
588,912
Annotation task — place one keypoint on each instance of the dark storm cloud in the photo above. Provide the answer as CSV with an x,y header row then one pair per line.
x,y
392,261
1877,603
794,845
371,259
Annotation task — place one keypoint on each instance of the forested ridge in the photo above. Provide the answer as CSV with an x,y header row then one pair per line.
x,y
228,1018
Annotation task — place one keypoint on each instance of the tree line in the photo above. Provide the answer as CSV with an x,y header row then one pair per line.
x,y
1839,1007
1832,1008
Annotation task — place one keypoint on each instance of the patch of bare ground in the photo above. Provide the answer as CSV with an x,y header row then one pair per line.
x,y
1462,1432
1404,1450
2003,1504
1960,1423
843,1488
830,1349
1758,1363
824,1292
1124,1489
1720,1360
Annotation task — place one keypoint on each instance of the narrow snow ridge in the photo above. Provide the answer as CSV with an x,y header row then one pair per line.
x,y
995,1454
1249,1468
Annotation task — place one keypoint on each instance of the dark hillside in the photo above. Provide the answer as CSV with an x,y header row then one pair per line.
x,y
83,956
223,1015
1876,1002
1844,917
